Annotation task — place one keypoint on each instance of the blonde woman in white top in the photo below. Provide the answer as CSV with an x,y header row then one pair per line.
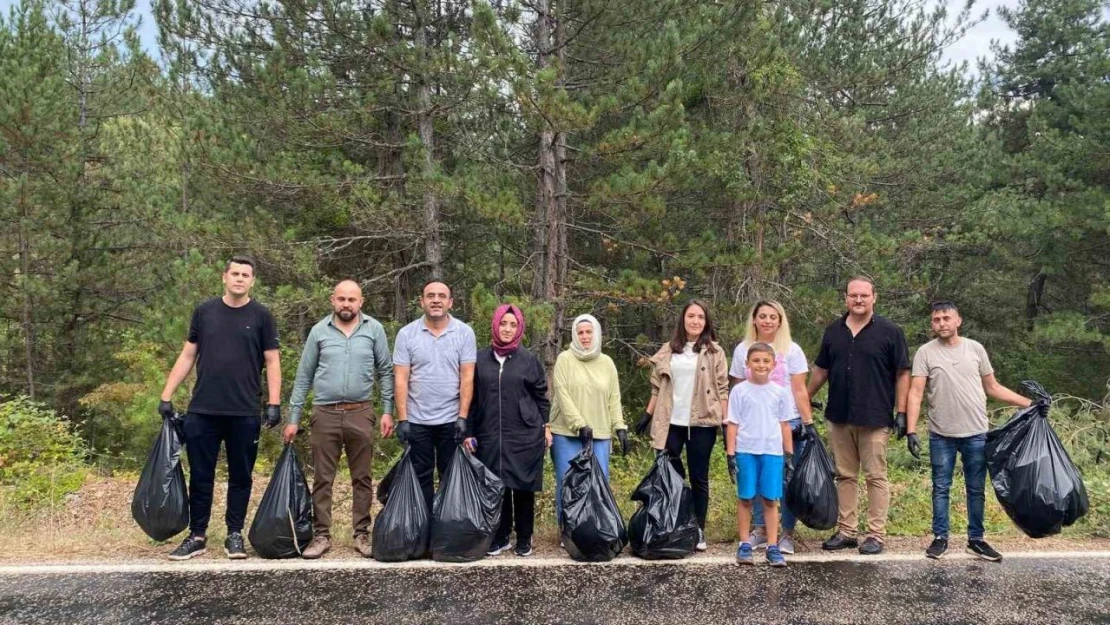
x,y
767,323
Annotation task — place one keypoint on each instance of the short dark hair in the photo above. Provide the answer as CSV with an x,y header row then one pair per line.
x,y
240,259
860,278
450,292
943,304
758,348
708,333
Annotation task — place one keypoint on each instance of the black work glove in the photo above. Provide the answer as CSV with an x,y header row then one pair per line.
x,y
271,416
622,436
914,445
585,434
643,426
787,469
731,458
165,409
402,432
900,425
810,431
460,430
1042,405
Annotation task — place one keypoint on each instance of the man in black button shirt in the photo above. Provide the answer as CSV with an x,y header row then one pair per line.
x,y
230,339
865,360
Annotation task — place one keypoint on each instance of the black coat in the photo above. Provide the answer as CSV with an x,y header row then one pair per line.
x,y
507,415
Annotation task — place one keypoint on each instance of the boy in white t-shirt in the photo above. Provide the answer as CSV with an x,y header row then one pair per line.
x,y
758,434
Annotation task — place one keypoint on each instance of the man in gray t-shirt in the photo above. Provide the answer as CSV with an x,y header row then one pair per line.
x,y
433,369
955,374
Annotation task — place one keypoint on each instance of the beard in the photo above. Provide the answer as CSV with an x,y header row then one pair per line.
x,y
345,315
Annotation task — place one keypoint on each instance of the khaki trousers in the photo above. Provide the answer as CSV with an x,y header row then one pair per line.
x,y
855,447
333,431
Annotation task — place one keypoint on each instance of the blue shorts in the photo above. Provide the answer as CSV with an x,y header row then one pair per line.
x,y
759,474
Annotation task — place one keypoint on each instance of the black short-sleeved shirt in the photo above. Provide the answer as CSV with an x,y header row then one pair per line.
x,y
230,343
863,370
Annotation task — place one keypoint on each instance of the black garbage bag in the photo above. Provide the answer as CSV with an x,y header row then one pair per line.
x,y
466,510
402,528
161,502
1036,482
593,530
282,525
811,493
664,527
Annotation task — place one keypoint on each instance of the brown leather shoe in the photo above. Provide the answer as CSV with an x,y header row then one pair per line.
x,y
362,545
318,547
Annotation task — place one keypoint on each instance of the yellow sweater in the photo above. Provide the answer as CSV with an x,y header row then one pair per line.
x,y
586,392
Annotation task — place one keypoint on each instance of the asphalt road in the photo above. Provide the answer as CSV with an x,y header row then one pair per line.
x,y
888,591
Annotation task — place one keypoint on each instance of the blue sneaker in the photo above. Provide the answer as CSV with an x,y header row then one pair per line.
x,y
774,556
744,554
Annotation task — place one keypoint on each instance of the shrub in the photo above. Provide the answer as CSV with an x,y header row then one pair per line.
x,y
41,455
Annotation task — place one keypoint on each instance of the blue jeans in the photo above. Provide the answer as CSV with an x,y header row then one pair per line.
x,y
563,449
789,521
942,455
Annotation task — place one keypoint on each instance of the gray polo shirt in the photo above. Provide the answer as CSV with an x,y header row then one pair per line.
x,y
341,368
434,361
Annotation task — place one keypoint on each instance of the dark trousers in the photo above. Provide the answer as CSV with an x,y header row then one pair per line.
x,y
518,505
699,444
431,447
333,430
203,435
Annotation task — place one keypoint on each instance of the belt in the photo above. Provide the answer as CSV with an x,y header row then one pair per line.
x,y
348,405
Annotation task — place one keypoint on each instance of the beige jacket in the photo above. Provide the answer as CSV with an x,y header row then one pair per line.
x,y
710,389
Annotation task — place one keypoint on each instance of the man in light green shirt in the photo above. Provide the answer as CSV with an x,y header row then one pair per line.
x,y
342,355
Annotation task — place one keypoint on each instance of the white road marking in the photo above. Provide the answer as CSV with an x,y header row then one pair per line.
x,y
226,566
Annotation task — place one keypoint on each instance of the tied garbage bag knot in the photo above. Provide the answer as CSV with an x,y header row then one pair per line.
x,y
664,527
160,504
282,525
466,510
1034,479
402,528
811,493
593,530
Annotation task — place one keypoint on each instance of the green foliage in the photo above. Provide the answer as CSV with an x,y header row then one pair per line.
x,y
725,151
41,455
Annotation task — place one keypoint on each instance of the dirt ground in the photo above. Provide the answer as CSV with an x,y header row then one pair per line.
x,y
95,524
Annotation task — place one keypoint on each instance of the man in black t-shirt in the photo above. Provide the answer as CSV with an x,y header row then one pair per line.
x,y
865,360
231,338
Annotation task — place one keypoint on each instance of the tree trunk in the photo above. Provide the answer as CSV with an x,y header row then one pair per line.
x,y
433,250
25,278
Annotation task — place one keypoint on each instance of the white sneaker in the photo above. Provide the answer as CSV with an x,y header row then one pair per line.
x,y
702,545
758,540
786,545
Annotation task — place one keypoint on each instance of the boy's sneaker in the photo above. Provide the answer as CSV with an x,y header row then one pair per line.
x,y
744,554
937,548
786,544
499,545
702,545
759,540
523,548
774,556
983,550
234,547
190,547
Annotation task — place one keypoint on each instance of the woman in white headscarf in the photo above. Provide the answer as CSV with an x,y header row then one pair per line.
x,y
586,403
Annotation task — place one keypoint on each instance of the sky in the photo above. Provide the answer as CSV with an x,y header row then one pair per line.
x,y
974,45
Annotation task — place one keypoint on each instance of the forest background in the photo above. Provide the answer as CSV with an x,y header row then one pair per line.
x,y
570,156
